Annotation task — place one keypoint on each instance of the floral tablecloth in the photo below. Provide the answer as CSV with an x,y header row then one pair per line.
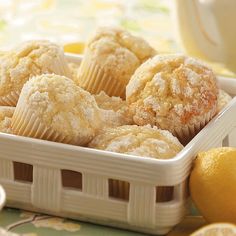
x,y
34,224
71,21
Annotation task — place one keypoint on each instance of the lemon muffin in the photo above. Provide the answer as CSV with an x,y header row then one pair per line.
x,y
52,107
173,92
136,140
28,59
145,141
115,111
111,57
223,100
6,114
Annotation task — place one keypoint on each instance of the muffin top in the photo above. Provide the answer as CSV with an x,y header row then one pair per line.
x,y
29,59
115,111
143,141
223,100
118,52
171,90
62,106
6,114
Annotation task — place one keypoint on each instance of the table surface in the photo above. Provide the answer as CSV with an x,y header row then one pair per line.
x,y
23,20
34,224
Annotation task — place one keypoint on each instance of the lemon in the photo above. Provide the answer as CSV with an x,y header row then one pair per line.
x,y
76,47
220,229
213,184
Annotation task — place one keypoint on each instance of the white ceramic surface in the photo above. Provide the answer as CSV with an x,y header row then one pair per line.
x,y
2,197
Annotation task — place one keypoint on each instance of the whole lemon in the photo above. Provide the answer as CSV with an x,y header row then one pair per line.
x,y
213,184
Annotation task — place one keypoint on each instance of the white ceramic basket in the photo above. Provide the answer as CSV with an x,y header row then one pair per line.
x,y
47,163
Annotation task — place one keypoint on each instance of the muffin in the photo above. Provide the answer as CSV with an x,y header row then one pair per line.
x,y
223,100
145,141
6,114
115,111
142,141
111,57
52,107
28,59
173,92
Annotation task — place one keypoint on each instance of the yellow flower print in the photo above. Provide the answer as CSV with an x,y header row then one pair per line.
x,y
57,224
27,214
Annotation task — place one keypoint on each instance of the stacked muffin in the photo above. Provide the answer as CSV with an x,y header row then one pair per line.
x,y
123,98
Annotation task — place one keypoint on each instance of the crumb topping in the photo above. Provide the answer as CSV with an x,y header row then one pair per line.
x,y
61,105
143,141
29,59
171,90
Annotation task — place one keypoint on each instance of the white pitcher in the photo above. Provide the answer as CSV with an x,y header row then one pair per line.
x,y
207,29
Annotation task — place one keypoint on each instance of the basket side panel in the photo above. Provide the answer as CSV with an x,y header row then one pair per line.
x,y
17,192
141,211
95,185
46,189
77,202
171,213
6,169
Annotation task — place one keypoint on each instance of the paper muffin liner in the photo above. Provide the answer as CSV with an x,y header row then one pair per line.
x,y
185,134
26,123
94,79
10,100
